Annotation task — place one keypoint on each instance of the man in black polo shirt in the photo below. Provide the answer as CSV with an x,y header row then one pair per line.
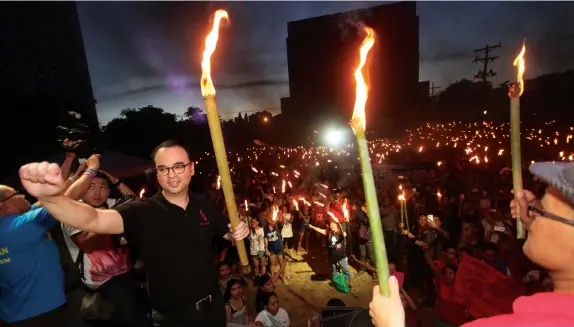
x,y
173,230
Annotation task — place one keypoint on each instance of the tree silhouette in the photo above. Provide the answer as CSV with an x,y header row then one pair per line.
x,y
139,131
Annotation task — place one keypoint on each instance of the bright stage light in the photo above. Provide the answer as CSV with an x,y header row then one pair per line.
x,y
335,137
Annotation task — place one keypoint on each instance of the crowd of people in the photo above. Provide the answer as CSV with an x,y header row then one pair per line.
x,y
75,258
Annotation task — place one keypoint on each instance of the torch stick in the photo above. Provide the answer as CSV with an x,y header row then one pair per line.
x,y
208,92
358,124
515,91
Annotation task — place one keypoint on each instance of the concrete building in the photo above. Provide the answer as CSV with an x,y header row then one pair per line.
x,y
44,75
322,54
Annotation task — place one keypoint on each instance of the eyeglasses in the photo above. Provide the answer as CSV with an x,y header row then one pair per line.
x,y
16,192
550,216
177,168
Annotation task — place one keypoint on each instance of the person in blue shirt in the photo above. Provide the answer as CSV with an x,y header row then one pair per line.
x,y
31,277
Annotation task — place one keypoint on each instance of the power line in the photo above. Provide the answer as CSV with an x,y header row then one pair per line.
x,y
433,90
485,59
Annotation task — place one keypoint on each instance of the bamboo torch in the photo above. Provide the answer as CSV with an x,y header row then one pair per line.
x,y
208,92
358,124
515,91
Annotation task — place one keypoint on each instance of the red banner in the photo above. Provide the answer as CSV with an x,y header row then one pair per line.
x,y
482,289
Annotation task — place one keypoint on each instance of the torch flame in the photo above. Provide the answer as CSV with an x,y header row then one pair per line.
x,y
296,204
275,212
358,120
519,62
345,210
207,88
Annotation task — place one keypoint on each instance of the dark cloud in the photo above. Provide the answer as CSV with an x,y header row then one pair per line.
x,y
150,51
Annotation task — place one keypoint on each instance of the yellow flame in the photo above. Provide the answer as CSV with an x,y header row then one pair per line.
x,y
218,185
345,210
207,87
275,212
520,64
296,204
358,120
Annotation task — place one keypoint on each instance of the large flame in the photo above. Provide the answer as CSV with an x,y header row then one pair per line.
x,y
521,67
207,88
358,120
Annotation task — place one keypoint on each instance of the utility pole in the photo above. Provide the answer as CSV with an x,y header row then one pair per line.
x,y
433,90
485,59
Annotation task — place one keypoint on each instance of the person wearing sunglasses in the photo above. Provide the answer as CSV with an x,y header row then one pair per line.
x,y
173,229
32,291
549,243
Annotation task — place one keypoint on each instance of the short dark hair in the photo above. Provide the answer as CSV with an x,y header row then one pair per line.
x,y
104,177
169,144
334,302
267,296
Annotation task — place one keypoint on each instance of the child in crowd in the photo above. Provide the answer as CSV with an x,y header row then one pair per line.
x,y
235,307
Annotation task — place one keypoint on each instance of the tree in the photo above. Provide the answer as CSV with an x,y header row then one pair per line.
x,y
139,131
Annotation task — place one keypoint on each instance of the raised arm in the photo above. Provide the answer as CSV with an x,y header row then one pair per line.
x,y
45,182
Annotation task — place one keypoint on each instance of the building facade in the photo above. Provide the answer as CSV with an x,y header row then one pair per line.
x,y
322,55
44,75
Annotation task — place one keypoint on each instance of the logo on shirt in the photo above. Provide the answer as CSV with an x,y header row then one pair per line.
x,y
203,219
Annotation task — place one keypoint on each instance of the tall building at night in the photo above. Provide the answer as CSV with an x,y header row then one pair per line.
x,y
43,75
322,54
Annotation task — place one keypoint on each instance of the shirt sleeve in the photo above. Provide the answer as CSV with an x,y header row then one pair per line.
x,y
215,217
262,317
70,231
40,216
133,216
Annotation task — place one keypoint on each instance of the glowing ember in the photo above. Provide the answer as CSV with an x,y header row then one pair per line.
x,y
283,187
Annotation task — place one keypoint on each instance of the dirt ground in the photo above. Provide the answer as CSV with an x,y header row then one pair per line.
x,y
309,289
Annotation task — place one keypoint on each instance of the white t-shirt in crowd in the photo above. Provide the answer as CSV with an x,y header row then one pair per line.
x,y
281,319
256,241
100,265
287,230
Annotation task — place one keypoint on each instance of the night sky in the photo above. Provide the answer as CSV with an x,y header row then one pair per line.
x,y
142,53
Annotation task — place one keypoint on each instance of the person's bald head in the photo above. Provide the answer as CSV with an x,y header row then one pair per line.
x,y
12,202
4,191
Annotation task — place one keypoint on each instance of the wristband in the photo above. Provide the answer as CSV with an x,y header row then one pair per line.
x,y
91,173
116,184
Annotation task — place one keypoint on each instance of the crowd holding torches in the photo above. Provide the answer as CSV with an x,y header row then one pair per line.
x,y
473,139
